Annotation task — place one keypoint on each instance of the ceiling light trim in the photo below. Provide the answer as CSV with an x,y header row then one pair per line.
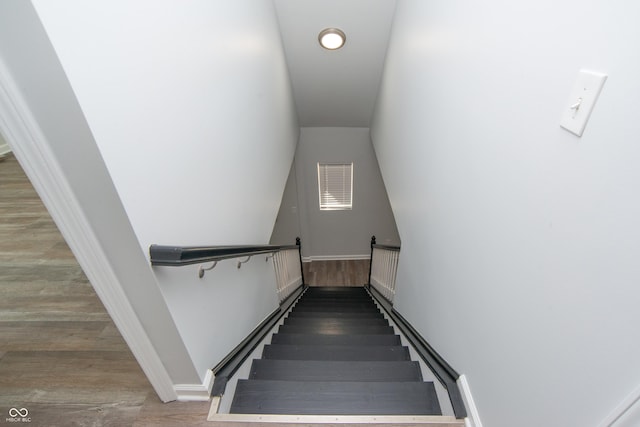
x,y
332,38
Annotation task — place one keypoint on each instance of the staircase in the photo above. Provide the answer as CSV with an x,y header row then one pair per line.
x,y
335,354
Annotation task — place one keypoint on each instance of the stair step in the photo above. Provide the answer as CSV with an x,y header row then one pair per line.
x,y
335,309
325,339
368,330
305,370
328,323
336,314
332,302
335,352
338,297
341,290
335,398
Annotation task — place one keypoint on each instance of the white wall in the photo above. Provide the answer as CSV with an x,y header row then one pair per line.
x,y
520,241
190,105
287,226
342,233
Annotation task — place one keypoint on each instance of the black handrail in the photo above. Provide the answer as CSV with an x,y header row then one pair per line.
x,y
175,256
387,247
447,376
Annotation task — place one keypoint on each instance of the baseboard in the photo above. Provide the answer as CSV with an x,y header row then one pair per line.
x,y
195,392
335,258
473,418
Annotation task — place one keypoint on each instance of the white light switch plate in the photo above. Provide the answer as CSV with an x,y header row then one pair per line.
x,y
581,101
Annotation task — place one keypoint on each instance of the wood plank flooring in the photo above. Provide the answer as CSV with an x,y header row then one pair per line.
x,y
61,356
336,273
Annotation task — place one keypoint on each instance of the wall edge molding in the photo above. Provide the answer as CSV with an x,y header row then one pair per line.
x,y
195,392
473,417
29,146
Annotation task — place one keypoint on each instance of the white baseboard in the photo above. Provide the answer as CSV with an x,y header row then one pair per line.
x,y
195,392
335,257
630,405
4,148
473,418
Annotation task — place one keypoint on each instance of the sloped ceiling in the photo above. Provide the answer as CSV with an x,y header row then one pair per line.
x,y
335,88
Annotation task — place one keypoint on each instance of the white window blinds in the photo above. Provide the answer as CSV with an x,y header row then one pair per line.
x,y
335,186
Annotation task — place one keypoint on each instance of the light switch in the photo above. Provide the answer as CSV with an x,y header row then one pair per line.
x,y
581,101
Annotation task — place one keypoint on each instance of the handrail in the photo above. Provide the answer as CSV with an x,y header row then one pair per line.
x,y
437,364
386,247
175,256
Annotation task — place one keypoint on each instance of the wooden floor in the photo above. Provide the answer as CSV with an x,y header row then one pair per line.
x,y
336,273
61,356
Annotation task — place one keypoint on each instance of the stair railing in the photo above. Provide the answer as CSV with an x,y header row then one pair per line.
x,y
383,269
288,268
287,260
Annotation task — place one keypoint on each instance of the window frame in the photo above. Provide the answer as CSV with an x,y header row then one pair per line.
x,y
342,203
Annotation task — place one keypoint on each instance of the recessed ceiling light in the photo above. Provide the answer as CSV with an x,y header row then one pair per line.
x,y
331,38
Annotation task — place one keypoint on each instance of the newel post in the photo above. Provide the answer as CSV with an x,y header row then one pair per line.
x,y
299,245
373,242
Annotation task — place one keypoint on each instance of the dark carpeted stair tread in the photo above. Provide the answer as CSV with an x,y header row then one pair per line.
x,y
325,323
323,370
323,290
348,330
344,339
337,298
334,309
334,352
335,398
336,314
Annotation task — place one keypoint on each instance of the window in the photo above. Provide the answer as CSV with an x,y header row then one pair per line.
x,y
335,186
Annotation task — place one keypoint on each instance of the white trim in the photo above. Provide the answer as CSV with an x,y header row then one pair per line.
x,y
31,148
335,257
195,392
433,420
4,148
632,401
473,418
